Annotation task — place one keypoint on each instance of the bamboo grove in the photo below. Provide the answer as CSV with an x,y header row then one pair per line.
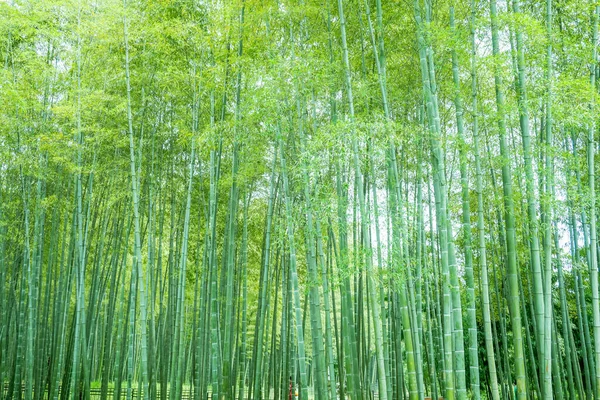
x,y
328,199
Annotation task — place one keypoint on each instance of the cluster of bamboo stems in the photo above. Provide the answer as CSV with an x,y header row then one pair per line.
x,y
201,275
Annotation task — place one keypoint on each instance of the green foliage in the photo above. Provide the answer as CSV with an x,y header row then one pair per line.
x,y
375,208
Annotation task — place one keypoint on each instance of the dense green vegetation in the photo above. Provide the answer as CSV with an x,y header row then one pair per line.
x,y
358,198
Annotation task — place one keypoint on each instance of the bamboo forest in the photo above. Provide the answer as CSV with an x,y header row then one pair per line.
x,y
299,199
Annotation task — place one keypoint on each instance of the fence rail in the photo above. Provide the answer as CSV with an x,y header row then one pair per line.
x,y
96,393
